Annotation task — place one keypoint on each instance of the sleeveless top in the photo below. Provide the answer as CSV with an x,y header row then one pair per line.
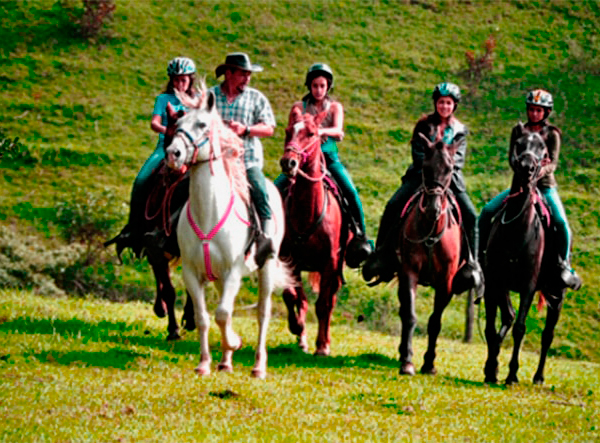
x,y
328,144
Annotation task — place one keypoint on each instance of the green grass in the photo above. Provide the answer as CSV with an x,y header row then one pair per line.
x,y
89,370
83,111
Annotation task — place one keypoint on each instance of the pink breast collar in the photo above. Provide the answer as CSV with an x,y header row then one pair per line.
x,y
206,238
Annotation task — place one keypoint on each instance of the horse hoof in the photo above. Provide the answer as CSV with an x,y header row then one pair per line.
x,y
202,370
491,380
322,352
160,308
538,380
511,380
407,369
224,367
428,370
173,336
302,344
259,373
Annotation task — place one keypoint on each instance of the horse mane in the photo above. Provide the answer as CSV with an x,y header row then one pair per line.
x,y
232,146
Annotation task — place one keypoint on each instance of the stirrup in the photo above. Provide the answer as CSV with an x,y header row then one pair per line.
x,y
264,250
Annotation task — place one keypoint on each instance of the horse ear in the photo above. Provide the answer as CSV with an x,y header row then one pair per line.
x,y
210,101
296,115
522,129
428,142
171,113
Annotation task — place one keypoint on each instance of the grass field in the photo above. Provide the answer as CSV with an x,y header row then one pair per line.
x,y
88,370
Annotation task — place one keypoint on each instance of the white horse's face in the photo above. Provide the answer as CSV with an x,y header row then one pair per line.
x,y
191,142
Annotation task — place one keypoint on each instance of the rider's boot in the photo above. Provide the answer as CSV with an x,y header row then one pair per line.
x,y
127,238
264,242
568,277
359,249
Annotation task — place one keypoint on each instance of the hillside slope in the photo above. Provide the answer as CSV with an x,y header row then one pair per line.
x,y
83,108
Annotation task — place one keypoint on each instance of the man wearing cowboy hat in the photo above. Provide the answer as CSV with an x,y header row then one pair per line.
x,y
248,113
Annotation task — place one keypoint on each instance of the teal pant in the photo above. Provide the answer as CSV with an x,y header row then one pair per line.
x,y
139,192
342,178
558,214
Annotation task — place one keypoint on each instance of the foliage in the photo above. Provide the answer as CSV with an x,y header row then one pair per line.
x,y
479,65
84,114
24,263
93,18
75,369
11,150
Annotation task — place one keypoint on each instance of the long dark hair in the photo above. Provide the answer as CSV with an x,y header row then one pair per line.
x,y
170,89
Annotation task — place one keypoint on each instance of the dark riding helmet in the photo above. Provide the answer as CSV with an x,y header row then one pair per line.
x,y
318,70
446,89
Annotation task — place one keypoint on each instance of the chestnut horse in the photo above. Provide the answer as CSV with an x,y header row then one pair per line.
x,y
168,193
429,250
519,259
315,236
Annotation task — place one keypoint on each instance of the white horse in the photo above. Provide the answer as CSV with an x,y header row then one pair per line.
x,y
213,230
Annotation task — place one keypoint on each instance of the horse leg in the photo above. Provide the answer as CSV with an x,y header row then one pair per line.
x,y
553,313
442,298
518,333
196,291
264,315
408,317
328,287
491,336
223,315
297,305
187,320
165,296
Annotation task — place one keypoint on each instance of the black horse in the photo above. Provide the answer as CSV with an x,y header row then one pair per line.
x,y
520,258
155,234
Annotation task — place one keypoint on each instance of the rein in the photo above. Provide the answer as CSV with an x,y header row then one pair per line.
x,y
303,153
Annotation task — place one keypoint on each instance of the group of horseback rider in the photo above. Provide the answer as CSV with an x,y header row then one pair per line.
x,y
249,114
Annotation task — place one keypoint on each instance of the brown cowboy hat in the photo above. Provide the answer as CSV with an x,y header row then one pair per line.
x,y
238,60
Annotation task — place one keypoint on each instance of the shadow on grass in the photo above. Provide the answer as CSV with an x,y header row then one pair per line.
x,y
123,334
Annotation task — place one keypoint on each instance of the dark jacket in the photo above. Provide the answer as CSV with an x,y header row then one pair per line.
x,y
456,132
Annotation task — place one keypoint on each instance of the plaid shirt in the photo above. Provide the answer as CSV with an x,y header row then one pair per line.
x,y
249,108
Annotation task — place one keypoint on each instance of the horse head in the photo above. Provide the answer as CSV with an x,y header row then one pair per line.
x,y
529,156
302,141
438,166
192,142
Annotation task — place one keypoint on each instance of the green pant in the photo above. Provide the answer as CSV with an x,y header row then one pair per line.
x,y
139,192
258,192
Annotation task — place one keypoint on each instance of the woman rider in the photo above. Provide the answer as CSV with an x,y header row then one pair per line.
x,y
441,123
319,81
181,72
539,104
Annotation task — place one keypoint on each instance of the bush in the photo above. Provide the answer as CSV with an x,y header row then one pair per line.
x,y
11,150
92,18
478,66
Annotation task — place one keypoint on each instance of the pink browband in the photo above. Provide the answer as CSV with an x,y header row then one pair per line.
x,y
206,238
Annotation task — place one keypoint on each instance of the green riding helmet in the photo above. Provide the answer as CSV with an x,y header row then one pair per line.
x,y
540,97
446,89
317,70
181,66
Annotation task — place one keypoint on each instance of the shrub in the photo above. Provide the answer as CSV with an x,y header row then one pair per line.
x,y
479,65
11,150
92,18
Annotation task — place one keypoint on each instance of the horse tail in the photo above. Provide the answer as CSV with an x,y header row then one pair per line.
x,y
314,279
282,275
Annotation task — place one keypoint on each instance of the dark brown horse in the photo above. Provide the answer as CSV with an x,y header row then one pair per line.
x,y
156,236
429,251
316,236
519,259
